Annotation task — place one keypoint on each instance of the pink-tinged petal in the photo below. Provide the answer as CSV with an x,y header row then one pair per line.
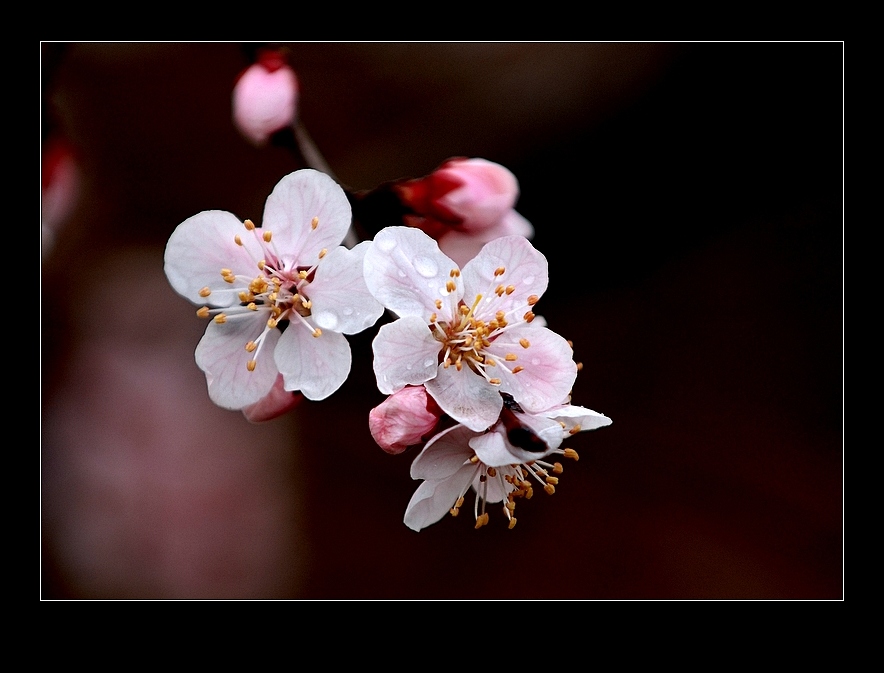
x,y
222,355
403,419
466,396
573,416
525,268
341,300
200,247
432,499
494,451
549,370
405,353
316,366
462,246
407,273
265,100
289,211
444,454
547,429
495,489
487,191
274,404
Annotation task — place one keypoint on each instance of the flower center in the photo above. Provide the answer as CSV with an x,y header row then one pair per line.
x,y
280,292
465,338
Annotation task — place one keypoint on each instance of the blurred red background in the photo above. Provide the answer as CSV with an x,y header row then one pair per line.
x,y
689,198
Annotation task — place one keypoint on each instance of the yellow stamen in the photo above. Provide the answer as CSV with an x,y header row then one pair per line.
x,y
267,235
533,299
314,223
317,333
251,346
237,240
499,271
251,364
510,357
220,318
575,429
323,253
524,342
205,292
203,312
571,453
249,225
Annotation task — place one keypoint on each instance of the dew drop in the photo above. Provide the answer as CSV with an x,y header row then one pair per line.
x,y
528,280
326,320
428,363
386,244
348,310
401,273
426,267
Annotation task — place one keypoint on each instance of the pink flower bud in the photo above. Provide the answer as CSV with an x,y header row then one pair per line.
x,y
265,97
403,419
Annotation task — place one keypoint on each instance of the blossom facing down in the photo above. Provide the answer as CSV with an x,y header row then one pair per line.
x,y
265,97
281,296
500,465
466,335
403,419
464,204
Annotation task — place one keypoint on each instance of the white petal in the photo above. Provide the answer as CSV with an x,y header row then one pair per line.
x,y
549,368
573,416
405,353
317,366
289,212
444,454
525,268
432,499
341,300
466,396
496,488
200,247
407,273
493,450
222,355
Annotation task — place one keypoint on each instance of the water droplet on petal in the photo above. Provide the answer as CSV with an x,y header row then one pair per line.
x,y
426,267
528,280
401,273
428,363
326,319
386,244
348,310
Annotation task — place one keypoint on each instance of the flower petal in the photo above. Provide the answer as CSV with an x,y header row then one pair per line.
x,y
341,300
200,247
405,353
549,368
466,396
221,354
432,499
403,419
525,268
444,454
573,416
407,273
273,404
289,211
317,366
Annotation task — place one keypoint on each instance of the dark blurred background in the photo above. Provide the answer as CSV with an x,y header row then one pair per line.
x,y
689,198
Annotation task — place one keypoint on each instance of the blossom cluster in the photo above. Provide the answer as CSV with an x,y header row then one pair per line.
x,y
471,373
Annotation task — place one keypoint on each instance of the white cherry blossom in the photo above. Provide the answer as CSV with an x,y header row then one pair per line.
x,y
501,464
281,296
466,335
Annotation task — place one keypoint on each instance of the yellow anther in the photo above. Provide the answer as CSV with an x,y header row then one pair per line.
x,y
459,503
512,523
510,357
226,272
267,235
438,303
474,459
579,366
446,364
510,289
245,296
492,472
262,264
251,346
517,369
550,489
237,240
499,290
317,333
557,468
252,306
490,363
454,511
533,299
203,312
302,275
230,279
464,309
529,316
458,365
510,505
220,318
307,304
450,285
205,292
314,223
571,453
499,271
433,317
323,253
249,225
524,342
552,480
575,429
271,323
494,382
251,364
454,273
481,520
